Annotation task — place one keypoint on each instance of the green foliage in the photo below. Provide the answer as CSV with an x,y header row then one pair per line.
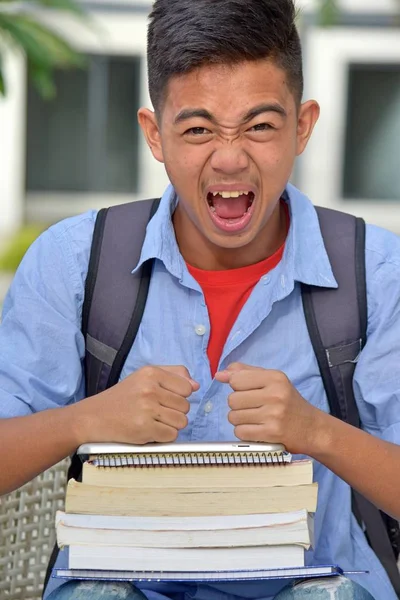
x,y
44,49
328,14
15,249
2,82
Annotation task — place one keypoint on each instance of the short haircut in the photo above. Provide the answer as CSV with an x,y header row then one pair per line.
x,y
186,34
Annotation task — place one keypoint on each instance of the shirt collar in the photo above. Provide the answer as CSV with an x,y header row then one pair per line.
x,y
304,260
160,241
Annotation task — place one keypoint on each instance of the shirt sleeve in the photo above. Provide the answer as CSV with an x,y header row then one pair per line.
x,y
41,344
377,376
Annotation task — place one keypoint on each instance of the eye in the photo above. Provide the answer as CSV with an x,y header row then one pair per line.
x,y
197,131
261,127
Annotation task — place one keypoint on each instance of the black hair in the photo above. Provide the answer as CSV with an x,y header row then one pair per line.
x,y
186,34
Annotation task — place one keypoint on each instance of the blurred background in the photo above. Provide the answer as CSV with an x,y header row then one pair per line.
x,y
69,138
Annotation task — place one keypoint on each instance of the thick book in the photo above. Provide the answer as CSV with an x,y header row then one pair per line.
x,y
82,498
200,576
122,558
185,532
298,472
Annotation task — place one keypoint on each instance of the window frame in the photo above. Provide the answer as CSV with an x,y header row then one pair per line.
x,y
123,33
328,54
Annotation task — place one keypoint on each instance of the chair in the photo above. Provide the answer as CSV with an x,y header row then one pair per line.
x,y
27,533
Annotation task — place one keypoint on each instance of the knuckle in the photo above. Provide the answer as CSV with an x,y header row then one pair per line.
x,y
236,365
241,432
148,390
186,407
183,422
150,372
235,380
231,401
232,418
182,371
279,411
281,378
186,390
141,423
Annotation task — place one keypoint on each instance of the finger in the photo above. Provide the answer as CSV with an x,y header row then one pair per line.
x,y
247,399
174,402
182,372
255,433
171,417
223,376
169,381
250,416
247,379
164,433
237,366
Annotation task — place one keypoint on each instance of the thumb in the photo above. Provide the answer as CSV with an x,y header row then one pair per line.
x,y
182,372
225,375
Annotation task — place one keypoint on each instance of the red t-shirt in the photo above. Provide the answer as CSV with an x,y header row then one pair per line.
x,y
226,292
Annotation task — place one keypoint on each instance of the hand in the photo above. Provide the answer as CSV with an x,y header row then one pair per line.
x,y
265,407
148,406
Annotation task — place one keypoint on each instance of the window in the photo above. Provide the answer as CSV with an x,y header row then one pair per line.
x,y
371,167
86,139
351,162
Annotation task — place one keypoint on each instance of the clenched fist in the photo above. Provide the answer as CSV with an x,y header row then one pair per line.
x,y
148,406
265,407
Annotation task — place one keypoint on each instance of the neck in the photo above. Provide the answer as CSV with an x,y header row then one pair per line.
x,y
198,251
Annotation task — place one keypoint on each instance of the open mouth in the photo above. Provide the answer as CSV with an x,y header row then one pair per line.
x,y
231,211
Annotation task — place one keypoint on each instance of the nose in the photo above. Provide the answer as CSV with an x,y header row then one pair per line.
x,y
230,159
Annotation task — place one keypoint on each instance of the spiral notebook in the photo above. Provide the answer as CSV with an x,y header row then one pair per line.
x,y
184,454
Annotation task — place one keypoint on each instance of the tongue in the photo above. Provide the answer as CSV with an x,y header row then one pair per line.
x,y
231,208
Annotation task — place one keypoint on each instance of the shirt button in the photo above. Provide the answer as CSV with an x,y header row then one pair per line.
x,y
200,329
266,278
208,407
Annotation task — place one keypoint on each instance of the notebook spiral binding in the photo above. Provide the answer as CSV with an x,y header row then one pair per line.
x,y
191,459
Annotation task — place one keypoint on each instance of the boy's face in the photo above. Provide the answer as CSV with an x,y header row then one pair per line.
x,y
229,129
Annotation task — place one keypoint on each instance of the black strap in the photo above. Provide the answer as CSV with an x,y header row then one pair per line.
x,y
94,260
114,296
133,325
361,279
337,324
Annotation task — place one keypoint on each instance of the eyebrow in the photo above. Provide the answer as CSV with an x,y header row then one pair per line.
x,y
191,113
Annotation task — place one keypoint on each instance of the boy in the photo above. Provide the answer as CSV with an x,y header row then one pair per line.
x,y
231,243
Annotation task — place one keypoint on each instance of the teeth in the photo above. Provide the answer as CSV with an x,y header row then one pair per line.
x,y
231,194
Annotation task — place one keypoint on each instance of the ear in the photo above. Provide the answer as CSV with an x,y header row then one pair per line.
x,y
148,122
308,116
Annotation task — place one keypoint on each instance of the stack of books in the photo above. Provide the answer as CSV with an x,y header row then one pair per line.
x,y
178,508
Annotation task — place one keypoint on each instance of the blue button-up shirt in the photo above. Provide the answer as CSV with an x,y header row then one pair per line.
x,y
42,349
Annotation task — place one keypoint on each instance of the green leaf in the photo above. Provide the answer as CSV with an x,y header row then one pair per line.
x,y
14,249
2,81
41,45
44,50
43,81
67,5
328,13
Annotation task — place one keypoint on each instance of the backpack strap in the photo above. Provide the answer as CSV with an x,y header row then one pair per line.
x,y
114,297
114,302
337,325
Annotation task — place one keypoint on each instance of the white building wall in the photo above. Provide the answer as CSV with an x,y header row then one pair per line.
x,y
12,143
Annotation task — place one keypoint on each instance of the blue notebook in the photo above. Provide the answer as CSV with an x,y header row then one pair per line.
x,y
201,576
